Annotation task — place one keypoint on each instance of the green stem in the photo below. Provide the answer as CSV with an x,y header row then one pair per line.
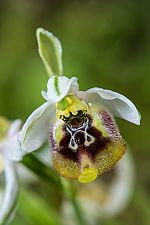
x,y
70,189
77,211
47,174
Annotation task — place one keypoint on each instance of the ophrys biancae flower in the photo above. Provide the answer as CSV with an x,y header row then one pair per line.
x,y
9,152
83,135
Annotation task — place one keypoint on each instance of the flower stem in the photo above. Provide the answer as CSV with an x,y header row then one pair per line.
x,y
47,174
77,211
70,189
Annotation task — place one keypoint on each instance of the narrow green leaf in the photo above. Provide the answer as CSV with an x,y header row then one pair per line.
x,y
36,210
44,172
50,51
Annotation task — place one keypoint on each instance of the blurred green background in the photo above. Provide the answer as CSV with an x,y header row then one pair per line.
x,y
105,44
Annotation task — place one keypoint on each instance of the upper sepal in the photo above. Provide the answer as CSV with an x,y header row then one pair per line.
x,y
50,51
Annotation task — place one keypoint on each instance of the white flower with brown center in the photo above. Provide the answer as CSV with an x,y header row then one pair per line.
x,y
83,135
9,152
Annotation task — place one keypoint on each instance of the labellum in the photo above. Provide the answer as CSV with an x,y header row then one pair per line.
x,y
85,140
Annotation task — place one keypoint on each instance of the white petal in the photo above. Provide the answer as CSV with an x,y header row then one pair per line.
x,y
9,199
35,130
116,103
14,128
11,148
59,87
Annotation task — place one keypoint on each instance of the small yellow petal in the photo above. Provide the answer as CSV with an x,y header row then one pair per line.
x,y
67,113
88,175
73,109
70,105
69,100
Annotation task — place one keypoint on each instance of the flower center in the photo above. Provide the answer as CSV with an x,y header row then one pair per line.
x,y
4,125
70,106
77,128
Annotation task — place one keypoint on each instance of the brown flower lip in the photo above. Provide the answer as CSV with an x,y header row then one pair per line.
x,y
90,150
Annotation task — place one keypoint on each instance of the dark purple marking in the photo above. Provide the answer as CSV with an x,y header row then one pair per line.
x,y
110,124
99,144
92,150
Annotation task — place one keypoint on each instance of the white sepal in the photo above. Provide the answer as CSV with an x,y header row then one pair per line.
x,y
11,149
35,130
50,51
9,199
116,103
14,128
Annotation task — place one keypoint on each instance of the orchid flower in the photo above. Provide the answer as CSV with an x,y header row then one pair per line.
x,y
9,152
79,125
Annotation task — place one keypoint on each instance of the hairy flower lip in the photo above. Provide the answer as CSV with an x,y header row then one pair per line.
x,y
84,156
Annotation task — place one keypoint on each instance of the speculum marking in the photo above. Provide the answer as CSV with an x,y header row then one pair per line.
x,y
82,138
77,136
